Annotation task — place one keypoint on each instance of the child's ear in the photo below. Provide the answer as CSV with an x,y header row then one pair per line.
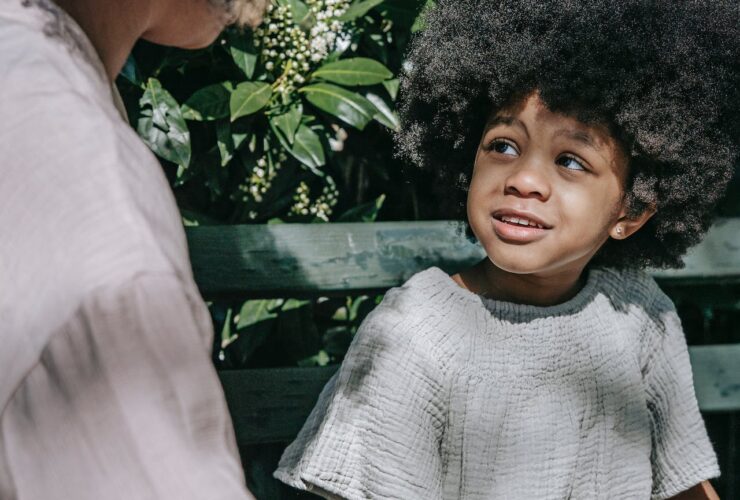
x,y
627,226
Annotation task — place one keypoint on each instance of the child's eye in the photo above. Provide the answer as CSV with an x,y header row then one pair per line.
x,y
503,147
570,162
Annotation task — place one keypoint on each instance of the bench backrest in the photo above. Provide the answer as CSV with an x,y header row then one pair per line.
x,y
300,260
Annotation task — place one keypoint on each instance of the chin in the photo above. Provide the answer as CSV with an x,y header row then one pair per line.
x,y
195,36
191,42
515,264
200,43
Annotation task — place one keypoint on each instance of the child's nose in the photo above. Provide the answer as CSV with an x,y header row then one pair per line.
x,y
528,181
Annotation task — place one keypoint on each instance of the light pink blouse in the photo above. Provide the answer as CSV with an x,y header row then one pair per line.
x,y
107,389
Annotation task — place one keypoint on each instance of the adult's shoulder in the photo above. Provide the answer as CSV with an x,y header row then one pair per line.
x,y
83,202
42,49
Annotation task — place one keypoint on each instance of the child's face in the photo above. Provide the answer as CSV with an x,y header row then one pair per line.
x,y
554,171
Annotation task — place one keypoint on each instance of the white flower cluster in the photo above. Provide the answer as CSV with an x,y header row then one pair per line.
x,y
328,33
261,176
288,51
322,208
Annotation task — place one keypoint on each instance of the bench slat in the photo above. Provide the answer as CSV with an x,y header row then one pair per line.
x,y
716,376
297,260
271,405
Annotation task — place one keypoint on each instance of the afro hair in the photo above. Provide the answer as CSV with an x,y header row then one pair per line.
x,y
662,75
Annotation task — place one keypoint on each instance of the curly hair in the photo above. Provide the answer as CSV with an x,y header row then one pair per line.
x,y
242,12
662,75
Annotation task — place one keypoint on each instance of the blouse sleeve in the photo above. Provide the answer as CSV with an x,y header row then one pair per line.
x,y
124,403
682,454
376,429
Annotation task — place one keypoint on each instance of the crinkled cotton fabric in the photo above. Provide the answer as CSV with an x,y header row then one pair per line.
x,y
445,394
107,389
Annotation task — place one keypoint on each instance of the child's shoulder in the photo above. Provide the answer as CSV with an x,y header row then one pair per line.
x,y
424,314
429,291
642,305
635,287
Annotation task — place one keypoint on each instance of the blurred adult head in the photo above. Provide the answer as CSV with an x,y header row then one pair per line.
x,y
242,12
114,26
196,23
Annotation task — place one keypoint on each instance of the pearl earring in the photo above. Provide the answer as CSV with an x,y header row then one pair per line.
x,y
619,230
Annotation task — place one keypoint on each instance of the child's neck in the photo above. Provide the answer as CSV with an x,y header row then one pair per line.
x,y
539,290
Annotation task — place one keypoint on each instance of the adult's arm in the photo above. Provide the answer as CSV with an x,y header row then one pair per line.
x,y
702,491
124,403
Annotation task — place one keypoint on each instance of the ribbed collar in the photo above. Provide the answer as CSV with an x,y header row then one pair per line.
x,y
515,312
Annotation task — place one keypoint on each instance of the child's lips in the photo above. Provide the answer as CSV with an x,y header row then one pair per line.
x,y
516,233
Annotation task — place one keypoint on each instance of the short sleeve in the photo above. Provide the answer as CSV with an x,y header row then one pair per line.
x,y
376,429
682,454
124,403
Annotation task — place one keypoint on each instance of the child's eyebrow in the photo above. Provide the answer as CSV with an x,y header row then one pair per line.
x,y
506,120
595,144
579,136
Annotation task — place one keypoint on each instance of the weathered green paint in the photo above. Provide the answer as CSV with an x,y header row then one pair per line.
x,y
716,376
716,258
344,258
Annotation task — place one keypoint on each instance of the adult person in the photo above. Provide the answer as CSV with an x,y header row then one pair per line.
x,y
107,390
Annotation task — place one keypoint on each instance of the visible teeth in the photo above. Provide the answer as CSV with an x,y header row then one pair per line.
x,y
520,221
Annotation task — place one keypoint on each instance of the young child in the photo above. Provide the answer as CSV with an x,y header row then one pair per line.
x,y
591,140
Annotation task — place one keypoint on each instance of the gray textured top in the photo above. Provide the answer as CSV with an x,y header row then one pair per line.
x,y
446,394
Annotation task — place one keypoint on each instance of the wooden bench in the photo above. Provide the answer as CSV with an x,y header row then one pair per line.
x,y
312,260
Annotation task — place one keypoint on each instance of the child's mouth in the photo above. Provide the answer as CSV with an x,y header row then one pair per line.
x,y
518,228
519,221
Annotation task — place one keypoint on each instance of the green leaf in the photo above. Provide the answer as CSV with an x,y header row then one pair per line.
x,y
194,218
348,106
183,175
307,149
356,305
243,52
248,98
294,304
353,72
226,335
256,311
288,121
359,9
363,213
385,115
162,126
225,142
300,9
238,138
208,103
420,21
131,71
320,359
392,87
255,323
404,13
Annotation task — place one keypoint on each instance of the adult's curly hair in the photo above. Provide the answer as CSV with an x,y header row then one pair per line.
x,y
661,74
242,12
